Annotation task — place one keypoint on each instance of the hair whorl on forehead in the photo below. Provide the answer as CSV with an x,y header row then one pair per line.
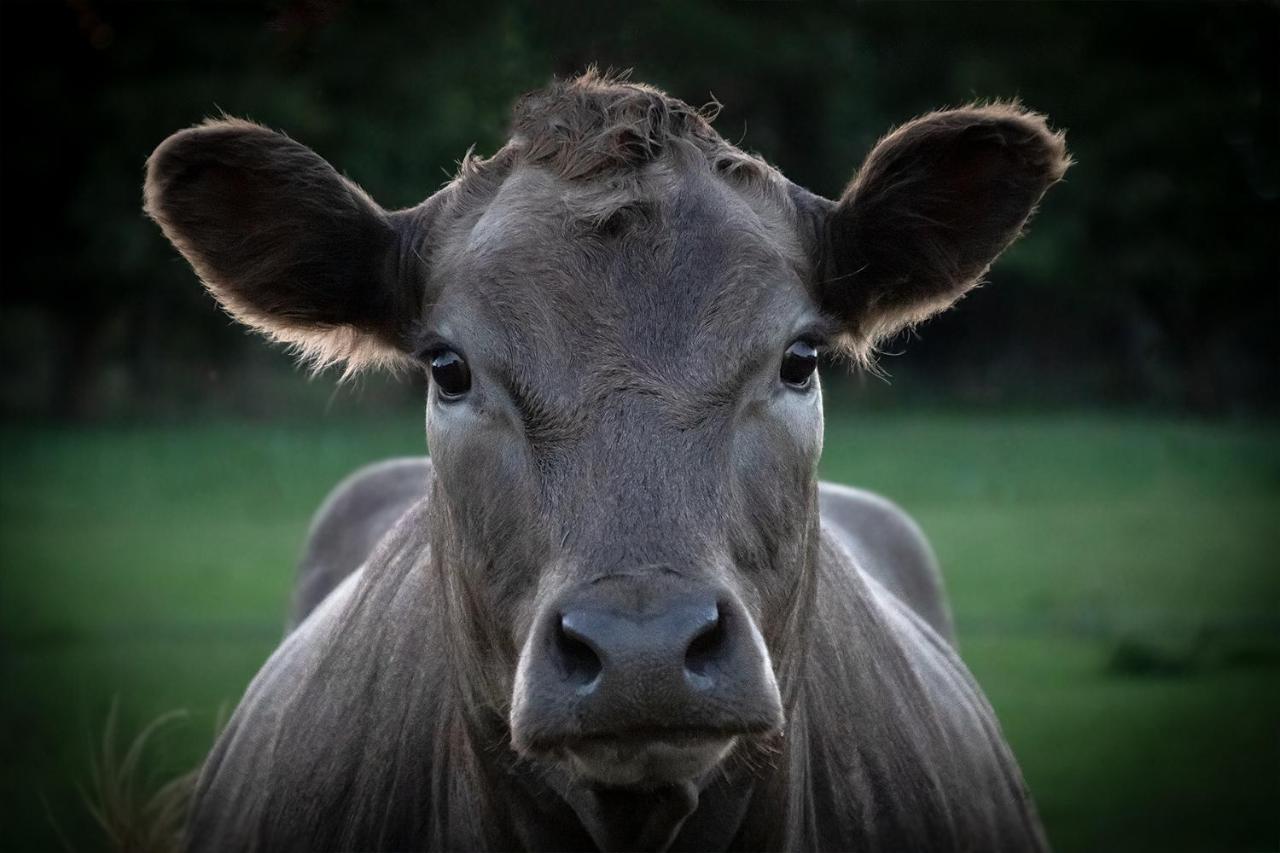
x,y
600,125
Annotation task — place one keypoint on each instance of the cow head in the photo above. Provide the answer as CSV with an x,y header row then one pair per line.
x,y
621,315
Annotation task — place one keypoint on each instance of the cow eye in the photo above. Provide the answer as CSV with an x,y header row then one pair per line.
x,y
450,373
798,364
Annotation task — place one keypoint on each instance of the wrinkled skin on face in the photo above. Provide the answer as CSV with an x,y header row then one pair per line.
x,y
623,530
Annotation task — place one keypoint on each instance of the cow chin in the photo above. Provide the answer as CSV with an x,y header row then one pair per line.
x,y
646,763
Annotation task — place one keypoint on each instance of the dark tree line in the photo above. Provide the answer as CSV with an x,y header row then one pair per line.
x,y
1152,276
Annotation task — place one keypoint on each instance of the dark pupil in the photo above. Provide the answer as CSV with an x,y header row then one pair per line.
x,y
798,363
450,373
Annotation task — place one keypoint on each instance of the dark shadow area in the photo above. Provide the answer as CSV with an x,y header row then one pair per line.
x,y
1151,280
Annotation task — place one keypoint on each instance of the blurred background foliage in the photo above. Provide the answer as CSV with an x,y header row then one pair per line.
x,y
1090,440
1151,278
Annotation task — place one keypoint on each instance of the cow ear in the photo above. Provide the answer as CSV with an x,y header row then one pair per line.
x,y
936,202
286,244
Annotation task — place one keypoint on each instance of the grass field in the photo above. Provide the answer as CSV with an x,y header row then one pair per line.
x,y
1116,583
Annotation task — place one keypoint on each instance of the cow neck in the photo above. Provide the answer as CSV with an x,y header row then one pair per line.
x,y
778,803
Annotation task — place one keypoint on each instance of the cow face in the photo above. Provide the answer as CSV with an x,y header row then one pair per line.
x,y
621,316
626,417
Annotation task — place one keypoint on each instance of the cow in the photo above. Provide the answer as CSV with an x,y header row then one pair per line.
x,y
616,610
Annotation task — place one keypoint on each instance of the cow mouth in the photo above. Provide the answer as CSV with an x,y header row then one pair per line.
x,y
646,760
634,789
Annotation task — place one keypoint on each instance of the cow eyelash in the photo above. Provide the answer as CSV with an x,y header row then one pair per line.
x,y
819,336
427,348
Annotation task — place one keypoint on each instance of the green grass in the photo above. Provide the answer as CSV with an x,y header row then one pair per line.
x,y
1115,582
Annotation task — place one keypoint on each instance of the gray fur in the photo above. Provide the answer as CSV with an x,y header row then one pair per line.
x,y
623,284
887,544
357,513
882,539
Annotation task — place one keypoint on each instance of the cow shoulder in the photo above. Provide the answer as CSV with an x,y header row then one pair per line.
x,y
982,766
890,703
357,513
887,543
308,754
230,794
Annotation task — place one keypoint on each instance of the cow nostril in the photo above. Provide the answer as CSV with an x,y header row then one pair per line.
x,y
579,662
707,649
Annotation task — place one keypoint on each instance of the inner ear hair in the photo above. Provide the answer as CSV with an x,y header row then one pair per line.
x,y
935,203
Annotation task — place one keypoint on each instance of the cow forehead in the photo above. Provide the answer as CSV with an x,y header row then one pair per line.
x,y
668,263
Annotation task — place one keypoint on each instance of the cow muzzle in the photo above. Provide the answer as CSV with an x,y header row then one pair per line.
x,y
639,682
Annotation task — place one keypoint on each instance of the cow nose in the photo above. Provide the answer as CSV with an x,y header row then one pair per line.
x,y
621,661
692,636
